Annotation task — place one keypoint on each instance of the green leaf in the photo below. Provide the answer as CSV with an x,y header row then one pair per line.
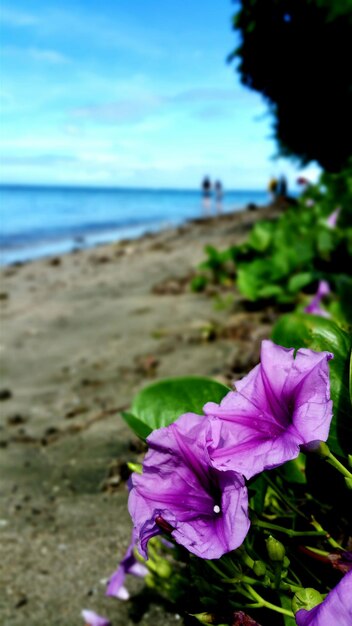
x,y
141,429
300,330
286,603
350,378
260,236
199,282
163,402
247,283
343,284
270,291
325,241
294,471
257,490
298,281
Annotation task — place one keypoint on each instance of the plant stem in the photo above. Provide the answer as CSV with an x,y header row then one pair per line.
x,y
317,551
334,462
288,531
283,497
287,586
328,537
243,579
253,605
306,569
241,606
216,569
324,452
247,560
266,604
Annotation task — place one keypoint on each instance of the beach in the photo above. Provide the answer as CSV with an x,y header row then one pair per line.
x,y
81,333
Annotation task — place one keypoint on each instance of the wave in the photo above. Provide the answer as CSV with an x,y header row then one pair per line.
x,y
35,236
43,221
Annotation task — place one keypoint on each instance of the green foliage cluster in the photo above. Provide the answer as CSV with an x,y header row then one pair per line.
x,y
161,403
281,258
302,330
299,511
282,501
297,54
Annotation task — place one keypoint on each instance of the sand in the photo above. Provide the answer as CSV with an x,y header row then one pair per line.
x,y
80,335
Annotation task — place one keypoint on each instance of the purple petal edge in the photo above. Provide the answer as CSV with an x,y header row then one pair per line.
x,y
93,619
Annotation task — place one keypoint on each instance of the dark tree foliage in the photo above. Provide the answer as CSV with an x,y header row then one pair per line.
x,y
298,54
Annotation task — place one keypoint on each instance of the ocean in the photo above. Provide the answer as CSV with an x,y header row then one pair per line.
x,y
38,221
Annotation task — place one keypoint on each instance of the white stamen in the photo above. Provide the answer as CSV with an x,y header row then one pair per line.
x,y
216,508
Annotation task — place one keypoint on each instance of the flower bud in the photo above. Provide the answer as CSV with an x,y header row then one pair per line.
x,y
321,450
276,550
259,568
135,467
159,566
164,525
163,568
306,599
204,618
286,562
150,580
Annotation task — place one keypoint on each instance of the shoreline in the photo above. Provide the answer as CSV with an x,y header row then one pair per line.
x,y
82,333
45,222
82,243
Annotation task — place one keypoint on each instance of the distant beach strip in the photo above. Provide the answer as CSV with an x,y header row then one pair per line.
x,y
37,222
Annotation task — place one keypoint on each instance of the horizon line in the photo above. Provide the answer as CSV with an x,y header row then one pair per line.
x,y
95,186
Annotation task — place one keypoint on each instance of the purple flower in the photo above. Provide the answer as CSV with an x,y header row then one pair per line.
x,y
332,219
314,307
302,180
283,403
128,565
181,494
93,619
335,609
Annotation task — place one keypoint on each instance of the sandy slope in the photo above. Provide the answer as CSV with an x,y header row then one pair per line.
x,y
79,336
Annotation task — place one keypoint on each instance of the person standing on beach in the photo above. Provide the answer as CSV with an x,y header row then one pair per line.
x,y
282,187
206,194
219,193
272,188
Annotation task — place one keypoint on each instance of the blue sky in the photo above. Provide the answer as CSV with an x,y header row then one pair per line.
x,y
129,93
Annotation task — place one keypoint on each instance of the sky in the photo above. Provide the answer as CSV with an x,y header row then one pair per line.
x,y
129,93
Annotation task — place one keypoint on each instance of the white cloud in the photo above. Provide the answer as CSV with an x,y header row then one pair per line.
x,y
51,56
123,111
13,17
97,95
89,26
36,54
206,94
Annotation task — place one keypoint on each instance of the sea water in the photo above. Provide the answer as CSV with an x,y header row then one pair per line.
x,y
41,221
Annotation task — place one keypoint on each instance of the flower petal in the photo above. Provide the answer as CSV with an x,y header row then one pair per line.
x,y
128,565
206,510
281,404
314,307
250,455
93,619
